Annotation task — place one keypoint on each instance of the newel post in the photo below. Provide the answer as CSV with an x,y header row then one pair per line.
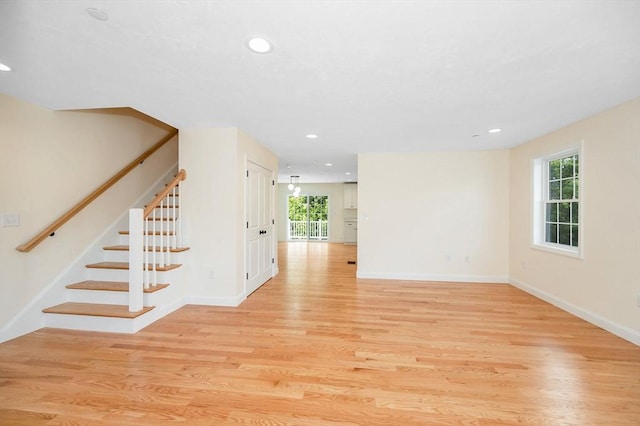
x,y
136,261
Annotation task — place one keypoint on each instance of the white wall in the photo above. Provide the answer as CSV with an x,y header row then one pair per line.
x,y
604,286
434,216
50,160
214,210
335,192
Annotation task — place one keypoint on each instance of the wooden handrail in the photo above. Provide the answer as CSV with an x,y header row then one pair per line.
x,y
182,175
49,230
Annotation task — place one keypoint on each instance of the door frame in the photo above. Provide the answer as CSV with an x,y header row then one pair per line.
x,y
308,239
272,225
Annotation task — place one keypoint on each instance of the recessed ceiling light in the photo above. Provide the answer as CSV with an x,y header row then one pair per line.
x,y
347,173
4,67
495,130
98,14
259,45
328,164
311,136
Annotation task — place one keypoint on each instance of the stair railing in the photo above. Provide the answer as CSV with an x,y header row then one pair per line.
x,y
50,230
154,232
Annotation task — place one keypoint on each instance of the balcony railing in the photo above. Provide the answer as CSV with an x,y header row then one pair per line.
x,y
312,230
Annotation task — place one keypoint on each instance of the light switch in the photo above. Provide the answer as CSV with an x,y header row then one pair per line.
x,y
10,219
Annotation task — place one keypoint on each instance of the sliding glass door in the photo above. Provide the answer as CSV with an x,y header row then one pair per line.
x,y
308,217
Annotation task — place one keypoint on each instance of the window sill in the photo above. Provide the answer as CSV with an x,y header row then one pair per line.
x,y
558,250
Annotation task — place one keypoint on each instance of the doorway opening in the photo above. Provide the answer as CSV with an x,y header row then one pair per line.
x,y
308,218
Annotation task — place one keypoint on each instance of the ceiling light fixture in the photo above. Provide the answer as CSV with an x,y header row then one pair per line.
x,y
259,45
311,136
347,173
4,67
98,14
328,164
495,130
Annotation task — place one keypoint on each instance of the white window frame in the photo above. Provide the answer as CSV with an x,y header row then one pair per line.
x,y
540,179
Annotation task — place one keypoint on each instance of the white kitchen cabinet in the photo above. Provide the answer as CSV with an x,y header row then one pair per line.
x,y
350,231
350,196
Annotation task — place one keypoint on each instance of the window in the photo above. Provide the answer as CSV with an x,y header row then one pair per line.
x,y
557,217
308,217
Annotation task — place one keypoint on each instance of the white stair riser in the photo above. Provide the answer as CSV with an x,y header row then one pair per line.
x,y
91,323
97,274
123,256
112,297
107,274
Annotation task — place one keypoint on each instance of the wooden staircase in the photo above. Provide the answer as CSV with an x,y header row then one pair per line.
x,y
103,295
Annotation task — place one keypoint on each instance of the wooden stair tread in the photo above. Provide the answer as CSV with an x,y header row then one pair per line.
x,y
125,265
124,247
96,309
111,286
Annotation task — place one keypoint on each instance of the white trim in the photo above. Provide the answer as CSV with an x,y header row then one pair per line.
x,y
539,179
619,330
232,301
245,243
487,279
558,249
136,259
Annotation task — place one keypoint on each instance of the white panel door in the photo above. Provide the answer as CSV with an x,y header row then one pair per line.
x,y
259,222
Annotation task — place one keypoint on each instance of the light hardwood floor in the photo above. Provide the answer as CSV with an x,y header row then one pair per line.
x,y
315,346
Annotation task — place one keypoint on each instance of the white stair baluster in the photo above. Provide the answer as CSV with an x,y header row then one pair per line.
x,y
161,238
177,223
146,253
166,258
152,266
174,237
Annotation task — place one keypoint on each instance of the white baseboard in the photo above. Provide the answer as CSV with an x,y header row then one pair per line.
x,y
626,333
30,319
232,301
494,279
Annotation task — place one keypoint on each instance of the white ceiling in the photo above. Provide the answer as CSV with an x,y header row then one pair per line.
x,y
366,76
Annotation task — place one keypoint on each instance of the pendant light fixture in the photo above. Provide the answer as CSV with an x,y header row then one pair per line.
x,y
294,185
